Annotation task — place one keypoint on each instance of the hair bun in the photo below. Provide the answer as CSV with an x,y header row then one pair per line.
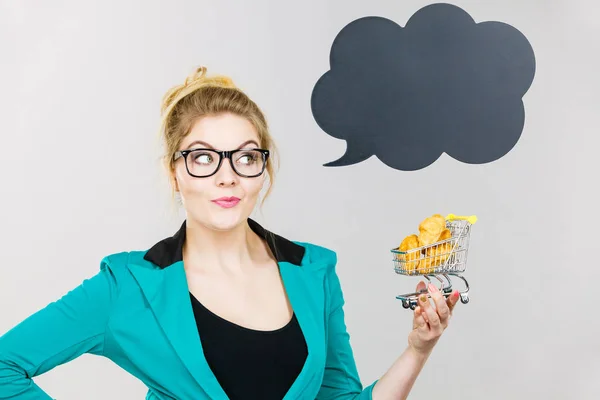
x,y
194,81
198,74
199,78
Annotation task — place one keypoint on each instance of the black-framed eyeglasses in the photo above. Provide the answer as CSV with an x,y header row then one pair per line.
x,y
202,163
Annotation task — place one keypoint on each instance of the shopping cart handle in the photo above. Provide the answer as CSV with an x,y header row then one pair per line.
x,y
472,218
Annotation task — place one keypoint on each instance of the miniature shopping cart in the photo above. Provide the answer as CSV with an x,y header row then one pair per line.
x,y
439,260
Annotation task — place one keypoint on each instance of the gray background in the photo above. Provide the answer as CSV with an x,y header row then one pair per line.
x,y
81,87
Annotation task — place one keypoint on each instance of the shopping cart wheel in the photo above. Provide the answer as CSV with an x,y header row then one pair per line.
x,y
464,298
405,303
413,304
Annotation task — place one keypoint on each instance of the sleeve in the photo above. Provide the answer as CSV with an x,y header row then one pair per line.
x,y
60,332
341,380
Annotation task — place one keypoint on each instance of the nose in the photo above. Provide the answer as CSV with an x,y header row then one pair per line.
x,y
226,176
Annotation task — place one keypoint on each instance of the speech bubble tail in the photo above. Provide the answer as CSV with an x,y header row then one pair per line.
x,y
349,158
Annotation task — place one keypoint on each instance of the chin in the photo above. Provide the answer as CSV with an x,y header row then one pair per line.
x,y
227,220
218,218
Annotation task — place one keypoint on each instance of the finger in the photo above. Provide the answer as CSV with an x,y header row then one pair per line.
x,y
417,311
416,314
421,286
452,300
429,313
420,322
422,299
440,304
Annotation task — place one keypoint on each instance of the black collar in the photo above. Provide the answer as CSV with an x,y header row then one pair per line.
x,y
169,251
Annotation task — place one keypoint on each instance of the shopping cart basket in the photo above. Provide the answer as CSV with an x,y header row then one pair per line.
x,y
439,260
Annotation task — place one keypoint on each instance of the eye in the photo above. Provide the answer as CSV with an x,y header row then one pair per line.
x,y
203,158
247,158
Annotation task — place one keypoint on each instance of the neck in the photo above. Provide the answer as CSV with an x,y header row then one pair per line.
x,y
212,251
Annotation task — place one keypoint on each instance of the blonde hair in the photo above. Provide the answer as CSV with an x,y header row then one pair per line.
x,y
199,96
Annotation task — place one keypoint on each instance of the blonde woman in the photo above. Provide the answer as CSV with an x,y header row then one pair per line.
x,y
223,309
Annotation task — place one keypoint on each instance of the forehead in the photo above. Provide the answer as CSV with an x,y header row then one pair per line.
x,y
223,132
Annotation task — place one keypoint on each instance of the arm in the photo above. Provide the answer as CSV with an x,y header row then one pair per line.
x,y
56,334
341,380
428,325
398,381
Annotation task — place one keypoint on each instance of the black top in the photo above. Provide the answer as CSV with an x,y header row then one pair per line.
x,y
251,364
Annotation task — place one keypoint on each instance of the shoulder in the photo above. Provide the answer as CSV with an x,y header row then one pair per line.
x,y
318,257
121,260
118,265
316,252
321,264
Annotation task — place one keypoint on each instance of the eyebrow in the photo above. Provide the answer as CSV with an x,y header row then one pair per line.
x,y
200,142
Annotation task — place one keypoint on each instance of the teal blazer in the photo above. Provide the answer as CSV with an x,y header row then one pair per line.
x,y
137,312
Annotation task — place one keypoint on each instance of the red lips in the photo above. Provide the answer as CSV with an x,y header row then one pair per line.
x,y
227,202
227,199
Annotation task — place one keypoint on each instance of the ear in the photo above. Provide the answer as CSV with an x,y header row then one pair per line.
x,y
174,181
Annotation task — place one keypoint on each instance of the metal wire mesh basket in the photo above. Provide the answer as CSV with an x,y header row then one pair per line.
x,y
441,259
446,256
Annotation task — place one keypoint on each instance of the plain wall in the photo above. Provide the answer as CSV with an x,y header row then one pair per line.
x,y
81,88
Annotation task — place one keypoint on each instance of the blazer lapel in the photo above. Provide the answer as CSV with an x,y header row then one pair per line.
x,y
307,299
167,292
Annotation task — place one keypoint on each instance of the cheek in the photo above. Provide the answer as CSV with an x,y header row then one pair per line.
x,y
252,187
191,187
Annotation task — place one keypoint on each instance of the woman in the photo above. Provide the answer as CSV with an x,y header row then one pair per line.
x,y
223,308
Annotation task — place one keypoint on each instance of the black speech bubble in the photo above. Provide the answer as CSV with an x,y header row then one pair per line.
x,y
441,84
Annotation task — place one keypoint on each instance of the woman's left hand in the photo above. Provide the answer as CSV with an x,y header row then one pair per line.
x,y
428,322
